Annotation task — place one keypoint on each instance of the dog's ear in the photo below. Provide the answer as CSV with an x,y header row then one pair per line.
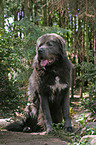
x,y
62,44
37,46
35,62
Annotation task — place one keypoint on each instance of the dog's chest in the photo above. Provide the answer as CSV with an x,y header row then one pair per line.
x,y
56,89
58,85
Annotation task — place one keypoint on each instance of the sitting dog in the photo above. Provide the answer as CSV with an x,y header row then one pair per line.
x,y
48,88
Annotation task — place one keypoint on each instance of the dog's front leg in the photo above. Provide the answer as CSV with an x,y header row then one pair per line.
x,y
46,112
66,112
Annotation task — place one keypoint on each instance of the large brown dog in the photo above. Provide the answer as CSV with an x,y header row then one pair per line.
x,y
48,87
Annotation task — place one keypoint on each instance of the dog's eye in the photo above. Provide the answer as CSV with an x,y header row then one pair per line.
x,y
50,43
41,44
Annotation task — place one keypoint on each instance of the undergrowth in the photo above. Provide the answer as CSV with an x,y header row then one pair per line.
x,y
75,137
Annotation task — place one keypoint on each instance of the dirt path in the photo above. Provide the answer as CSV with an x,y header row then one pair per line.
x,y
18,138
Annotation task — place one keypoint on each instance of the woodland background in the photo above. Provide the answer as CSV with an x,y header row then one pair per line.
x,y
22,22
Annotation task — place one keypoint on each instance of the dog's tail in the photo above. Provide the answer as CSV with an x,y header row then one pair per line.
x,y
17,126
25,125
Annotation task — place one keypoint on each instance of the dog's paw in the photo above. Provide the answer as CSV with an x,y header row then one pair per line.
x,y
69,129
27,130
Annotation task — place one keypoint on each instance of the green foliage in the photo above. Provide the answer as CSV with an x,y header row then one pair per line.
x,y
58,125
90,103
12,6
89,73
85,142
11,64
82,120
74,138
86,130
88,69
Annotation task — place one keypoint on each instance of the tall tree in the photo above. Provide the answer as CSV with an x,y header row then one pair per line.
x,y
2,13
44,12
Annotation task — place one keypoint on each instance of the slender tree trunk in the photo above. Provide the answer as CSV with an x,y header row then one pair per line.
x,y
2,13
36,12
27,9
44,13
50,16
87,34
95,53
72,87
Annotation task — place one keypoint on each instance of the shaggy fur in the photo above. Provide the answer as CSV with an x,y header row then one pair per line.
x,y
48,88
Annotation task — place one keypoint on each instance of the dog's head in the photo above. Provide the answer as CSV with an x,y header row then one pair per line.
x,y
49,47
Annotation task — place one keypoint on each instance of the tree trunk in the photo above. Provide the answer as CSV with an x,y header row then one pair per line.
x,y
50,16
44,13
2,13
27,12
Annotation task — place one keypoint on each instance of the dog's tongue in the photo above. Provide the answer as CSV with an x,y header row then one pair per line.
x,y
43,62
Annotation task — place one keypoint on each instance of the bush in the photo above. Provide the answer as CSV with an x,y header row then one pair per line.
x,y
11,59
89,70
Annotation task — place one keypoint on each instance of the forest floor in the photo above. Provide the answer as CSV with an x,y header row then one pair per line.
x,y
57,138
19,138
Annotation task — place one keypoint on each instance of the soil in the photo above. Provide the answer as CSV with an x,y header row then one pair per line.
x,y
19,138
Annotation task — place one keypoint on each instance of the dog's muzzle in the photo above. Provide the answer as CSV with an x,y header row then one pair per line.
x,y
43,60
